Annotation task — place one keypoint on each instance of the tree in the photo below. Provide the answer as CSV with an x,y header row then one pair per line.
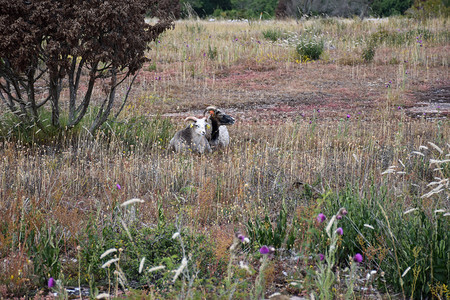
x,y
339,8
54,53
386,8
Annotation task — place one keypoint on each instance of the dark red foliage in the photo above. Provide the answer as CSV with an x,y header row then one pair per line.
x,y
52,39
109,31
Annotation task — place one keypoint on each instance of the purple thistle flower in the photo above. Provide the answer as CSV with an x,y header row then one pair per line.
x,y
264,250
348,116
340,231
321,256
321,217
51,282
118,186
243,238
358,258
318,110
339,217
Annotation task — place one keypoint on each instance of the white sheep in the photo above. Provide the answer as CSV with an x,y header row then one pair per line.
x,y
218,136
192,138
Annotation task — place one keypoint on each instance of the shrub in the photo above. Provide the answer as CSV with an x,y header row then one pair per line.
x,y
429,9
94,42
386,8
263,233
368,52
273,34
310,48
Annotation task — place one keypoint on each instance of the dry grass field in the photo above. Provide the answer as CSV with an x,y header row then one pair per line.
x,y
368,133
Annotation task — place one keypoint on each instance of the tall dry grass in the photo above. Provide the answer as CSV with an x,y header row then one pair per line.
x,y
268,161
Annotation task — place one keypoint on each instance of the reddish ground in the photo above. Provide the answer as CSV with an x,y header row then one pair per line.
x,y
277,93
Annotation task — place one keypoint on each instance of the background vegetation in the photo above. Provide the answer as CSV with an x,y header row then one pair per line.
x,y
313,134
267,9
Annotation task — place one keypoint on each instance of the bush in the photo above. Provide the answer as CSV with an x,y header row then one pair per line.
x,y
263,233
274,34
429,9
368,52
386,8
310,48
93,40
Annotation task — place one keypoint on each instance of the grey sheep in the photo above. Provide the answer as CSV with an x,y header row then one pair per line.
x,y
192,138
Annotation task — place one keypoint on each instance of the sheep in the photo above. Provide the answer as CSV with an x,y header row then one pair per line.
x,y
192,138
218,136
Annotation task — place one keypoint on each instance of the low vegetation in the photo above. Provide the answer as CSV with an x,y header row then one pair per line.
x,y
332,185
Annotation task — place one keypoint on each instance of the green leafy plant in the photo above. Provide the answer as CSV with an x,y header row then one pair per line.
x,y
368,52
310,48
45,248
264,233
274,34
212,52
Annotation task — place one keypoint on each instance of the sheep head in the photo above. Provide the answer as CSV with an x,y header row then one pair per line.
x,y
198,125
219,116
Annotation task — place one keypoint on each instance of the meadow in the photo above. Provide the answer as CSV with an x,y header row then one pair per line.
x,y
363,128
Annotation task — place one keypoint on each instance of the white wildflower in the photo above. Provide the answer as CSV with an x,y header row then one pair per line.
x,y
108,252
436,190
389,170
156,268
418,153
437,161
410,211
436,147
406,271
329,225
183,265
175,235
141,265
275,295
369,226
244,266
109,262
439,211
131,201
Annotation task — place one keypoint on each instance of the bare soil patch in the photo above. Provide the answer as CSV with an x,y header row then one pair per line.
x,y
283,92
